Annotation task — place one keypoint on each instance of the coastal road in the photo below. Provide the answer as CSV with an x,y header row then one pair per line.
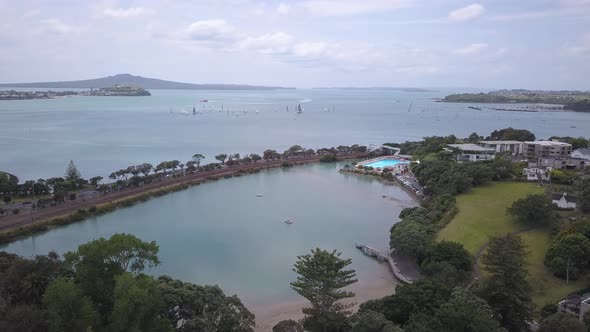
x,y
13,221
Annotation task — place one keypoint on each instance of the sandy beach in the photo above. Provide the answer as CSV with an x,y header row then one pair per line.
x,y
382,284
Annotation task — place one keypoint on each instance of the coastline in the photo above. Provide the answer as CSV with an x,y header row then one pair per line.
x,y
268,315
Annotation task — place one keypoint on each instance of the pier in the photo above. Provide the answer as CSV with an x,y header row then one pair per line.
x,y
384,257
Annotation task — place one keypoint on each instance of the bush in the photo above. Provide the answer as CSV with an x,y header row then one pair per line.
x,y
15,211
452,252
7,199
328,158
72,196
286,164
92,209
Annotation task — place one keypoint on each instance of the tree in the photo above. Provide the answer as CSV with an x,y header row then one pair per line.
x,y
137,305
146,168
422,296
221,158
474,138
410,238
321,277
72,172
371,321
507,289
6,199
452,252
568,255
68,309
269,154
255,157
95,180
561,321
534,210
466,312
197,157
584,195
96,263
191,307
25,280
511,134
287,326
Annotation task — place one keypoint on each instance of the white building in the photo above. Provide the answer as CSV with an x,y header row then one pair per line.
x,y
513,147
536,173
583,153
537,149
575,305
564,201
471,152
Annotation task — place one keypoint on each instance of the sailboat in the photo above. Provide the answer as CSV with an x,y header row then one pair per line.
x,y
194,111
299,110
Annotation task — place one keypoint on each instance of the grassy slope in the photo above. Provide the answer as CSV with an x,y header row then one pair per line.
x,y
482,213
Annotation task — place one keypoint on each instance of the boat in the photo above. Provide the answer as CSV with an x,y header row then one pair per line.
x,y
299,110
194,111
258,195
205,101
474,108
288,221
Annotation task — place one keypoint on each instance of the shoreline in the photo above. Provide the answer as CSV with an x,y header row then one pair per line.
x,y
269,314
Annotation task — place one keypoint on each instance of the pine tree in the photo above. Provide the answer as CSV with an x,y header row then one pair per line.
x,y
72,172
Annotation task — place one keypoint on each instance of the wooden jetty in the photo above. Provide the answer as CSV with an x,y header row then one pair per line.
x,y
384,257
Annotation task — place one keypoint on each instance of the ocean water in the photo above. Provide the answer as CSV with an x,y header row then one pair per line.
x,y
103,134
222,233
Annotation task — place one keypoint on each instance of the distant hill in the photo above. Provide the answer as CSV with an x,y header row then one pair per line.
x,y
131,80
382,88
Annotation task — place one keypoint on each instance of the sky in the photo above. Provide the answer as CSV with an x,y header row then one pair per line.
x,y
533,44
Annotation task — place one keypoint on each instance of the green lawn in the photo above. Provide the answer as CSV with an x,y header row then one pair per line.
x,y
482,213
546,287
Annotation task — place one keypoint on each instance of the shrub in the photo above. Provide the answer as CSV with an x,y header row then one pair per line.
x,y
92,209
328,158
7,199
72,196
15,211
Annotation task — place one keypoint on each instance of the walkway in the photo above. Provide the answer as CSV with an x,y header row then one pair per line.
x,y
381,256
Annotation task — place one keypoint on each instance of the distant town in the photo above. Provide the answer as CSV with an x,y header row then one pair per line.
x,y
115,91
578,101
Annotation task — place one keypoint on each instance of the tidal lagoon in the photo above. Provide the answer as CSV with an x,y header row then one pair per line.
x,y
222,233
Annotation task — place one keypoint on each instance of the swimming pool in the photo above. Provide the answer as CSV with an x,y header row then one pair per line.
x,y
386,163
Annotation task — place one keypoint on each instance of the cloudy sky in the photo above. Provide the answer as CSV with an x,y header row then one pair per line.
x,y
436,43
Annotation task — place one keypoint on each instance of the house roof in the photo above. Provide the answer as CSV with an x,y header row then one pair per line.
x,y
568,198
470,147
500,142
548,143
583,151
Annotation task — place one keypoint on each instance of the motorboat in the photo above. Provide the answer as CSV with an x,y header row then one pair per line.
x,y
288,221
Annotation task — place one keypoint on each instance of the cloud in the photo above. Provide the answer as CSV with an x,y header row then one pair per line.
x,y
466,13
283,9
211,30
124,13
56,26
270,43
352,7
471,49
580,47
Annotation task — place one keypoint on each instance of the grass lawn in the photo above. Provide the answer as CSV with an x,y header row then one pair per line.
x,y
546,287
482,213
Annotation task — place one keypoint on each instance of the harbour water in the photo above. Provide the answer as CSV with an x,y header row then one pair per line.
x,y
223,233
103,134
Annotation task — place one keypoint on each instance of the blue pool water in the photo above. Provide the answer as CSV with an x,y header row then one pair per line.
x,y
386,163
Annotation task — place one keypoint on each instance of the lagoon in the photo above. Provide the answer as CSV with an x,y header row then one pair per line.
x,y
222,233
